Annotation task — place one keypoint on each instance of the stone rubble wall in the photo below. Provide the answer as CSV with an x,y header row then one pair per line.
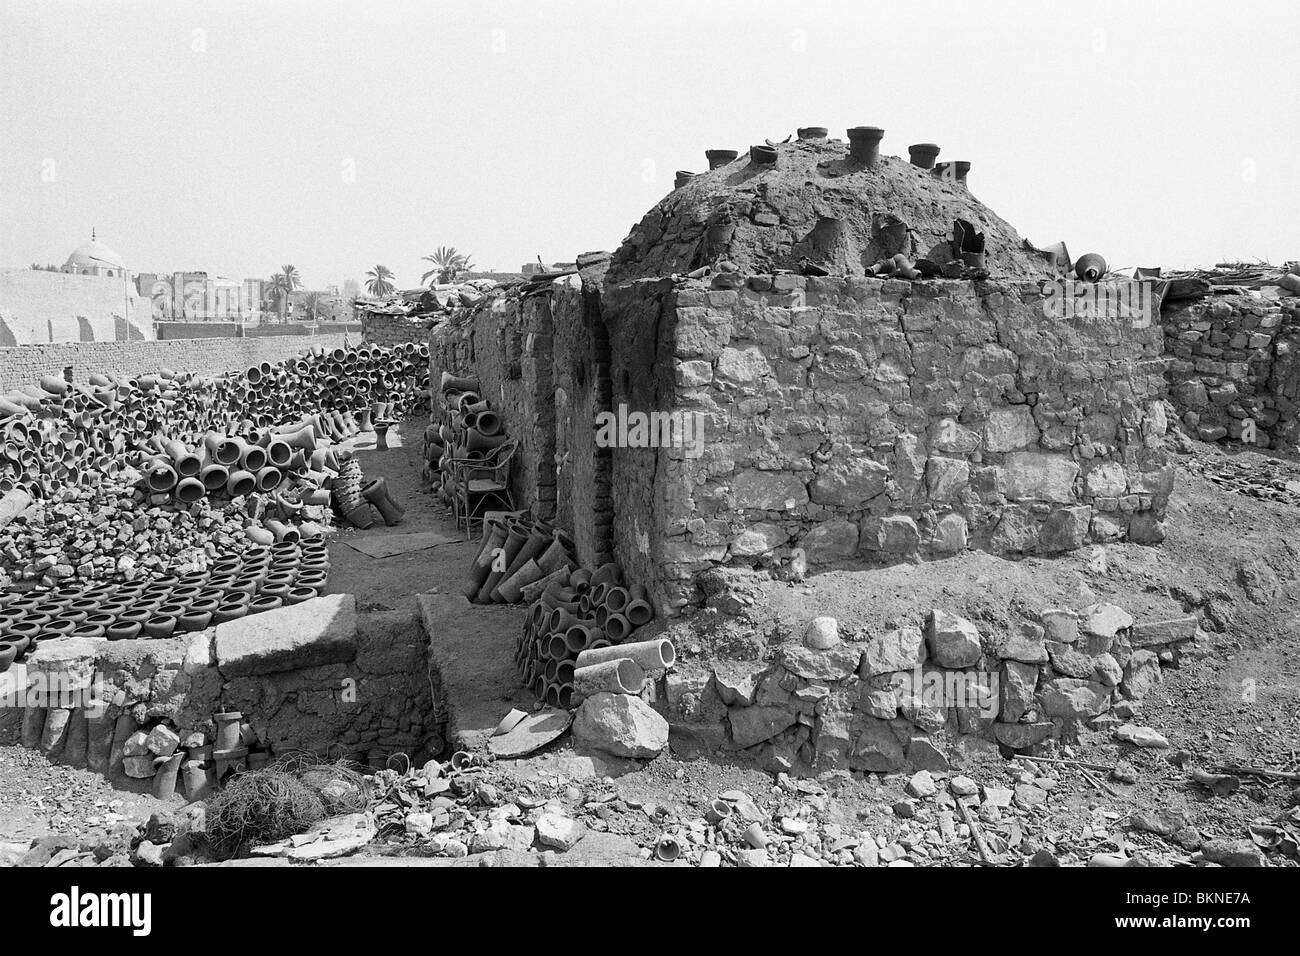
x,y
926,697
25,364
379,329
342,688
1235,358
876,421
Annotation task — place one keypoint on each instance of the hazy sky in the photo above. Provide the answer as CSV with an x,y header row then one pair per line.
x,y
234,137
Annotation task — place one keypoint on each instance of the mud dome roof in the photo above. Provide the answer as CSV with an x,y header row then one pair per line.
x,y
817,204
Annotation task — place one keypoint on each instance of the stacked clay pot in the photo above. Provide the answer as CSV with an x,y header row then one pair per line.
x,y
465,429
56,433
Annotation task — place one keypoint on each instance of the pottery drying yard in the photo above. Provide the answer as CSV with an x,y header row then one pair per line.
x,y
817,525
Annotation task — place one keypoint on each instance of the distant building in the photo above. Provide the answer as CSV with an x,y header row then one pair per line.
x,y
199,297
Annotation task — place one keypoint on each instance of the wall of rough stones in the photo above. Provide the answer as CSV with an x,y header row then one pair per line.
x,y
393,329
360,692
1235,358
929,694
25,364
876,421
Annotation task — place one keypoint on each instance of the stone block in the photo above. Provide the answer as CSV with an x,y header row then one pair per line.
x,y
320,631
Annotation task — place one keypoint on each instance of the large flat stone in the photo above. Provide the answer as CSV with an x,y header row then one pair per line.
x,y
320,631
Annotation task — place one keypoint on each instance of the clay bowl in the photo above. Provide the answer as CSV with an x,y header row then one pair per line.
x,y
60,628
29,630
124,631
172,609
264,602
193,620
298,594
160,625
230,611
91,631
8,654
22,643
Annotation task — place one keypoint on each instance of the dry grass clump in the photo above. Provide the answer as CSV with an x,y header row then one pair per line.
x,y
284,799
261,806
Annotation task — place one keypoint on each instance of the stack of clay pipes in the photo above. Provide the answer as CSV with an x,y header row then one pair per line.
x,y
582,618
62,433
464,429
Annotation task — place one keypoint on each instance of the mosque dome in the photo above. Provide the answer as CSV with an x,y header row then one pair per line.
x,y
96,258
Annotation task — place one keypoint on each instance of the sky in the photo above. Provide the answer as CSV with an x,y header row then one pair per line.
x,y
235,137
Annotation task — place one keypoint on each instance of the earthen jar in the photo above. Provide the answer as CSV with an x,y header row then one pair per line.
x,y
299,593
231,610
264,602
159,626
193,620
123,631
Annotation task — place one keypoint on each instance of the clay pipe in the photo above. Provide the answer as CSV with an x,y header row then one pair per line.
x,y
654,655
619,676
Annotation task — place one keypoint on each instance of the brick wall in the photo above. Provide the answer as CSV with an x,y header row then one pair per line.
x,y
25,364
505,343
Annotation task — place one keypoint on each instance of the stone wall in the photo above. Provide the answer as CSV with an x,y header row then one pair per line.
x,y
25,364
393,329
311,677
1234,359
932,693
876,421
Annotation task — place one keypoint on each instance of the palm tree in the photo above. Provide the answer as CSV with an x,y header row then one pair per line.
x,y
379,283
282,285
447,264
312,302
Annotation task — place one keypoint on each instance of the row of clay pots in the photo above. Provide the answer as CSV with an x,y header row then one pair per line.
x,y
261,579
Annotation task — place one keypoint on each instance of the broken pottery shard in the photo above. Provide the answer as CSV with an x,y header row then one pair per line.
x,y
532,733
